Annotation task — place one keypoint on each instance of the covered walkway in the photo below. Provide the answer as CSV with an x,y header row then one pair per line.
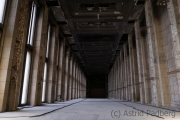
x,y
92,109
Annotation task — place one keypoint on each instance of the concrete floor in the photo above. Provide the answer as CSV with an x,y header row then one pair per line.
x,y
92,109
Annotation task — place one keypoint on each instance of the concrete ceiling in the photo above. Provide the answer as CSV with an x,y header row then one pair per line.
x,y
96,29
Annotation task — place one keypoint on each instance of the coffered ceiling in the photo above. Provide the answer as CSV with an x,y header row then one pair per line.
x,y
96,29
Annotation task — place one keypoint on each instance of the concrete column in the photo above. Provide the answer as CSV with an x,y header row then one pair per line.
x,y
131,66
109,84
117,86
61,68
70,79
126,72
172,41
73,81
139,60
39,53
120,72
67,56
113,82
52,65
133,69
76,81
12,53
79,83
77,76
124,76
84,86
154,58
58,91
80,95
117,79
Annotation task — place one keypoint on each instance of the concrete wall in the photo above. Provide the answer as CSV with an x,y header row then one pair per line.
x,y
63,80
154,60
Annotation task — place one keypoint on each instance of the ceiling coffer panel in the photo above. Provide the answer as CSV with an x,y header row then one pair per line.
x,y
97,29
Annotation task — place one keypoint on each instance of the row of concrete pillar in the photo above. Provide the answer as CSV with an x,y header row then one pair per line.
x,y
147,68
74,83
65,79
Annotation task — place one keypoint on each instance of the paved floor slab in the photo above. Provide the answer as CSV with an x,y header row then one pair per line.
x,y
93,109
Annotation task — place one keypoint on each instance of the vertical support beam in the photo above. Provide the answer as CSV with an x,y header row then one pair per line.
x,y
173,55
12,54
52,65
67,56
154,58
74,78
113,82
139,60
62,69
126,72
118,77
135,71
70,78
131,66
39,57
121,77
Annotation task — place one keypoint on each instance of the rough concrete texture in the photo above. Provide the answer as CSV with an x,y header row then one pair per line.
x,y
92,109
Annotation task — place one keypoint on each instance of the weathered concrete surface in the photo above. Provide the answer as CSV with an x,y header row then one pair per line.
x,y
98,109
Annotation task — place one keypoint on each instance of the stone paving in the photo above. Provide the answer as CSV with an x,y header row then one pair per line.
x,y
92,109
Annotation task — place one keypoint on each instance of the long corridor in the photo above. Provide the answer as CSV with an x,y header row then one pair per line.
x,y
92,109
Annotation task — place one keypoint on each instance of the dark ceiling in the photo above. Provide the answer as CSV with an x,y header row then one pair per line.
x,y
96,29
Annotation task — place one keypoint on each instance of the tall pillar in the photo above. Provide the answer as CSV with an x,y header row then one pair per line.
x,y
155,62
120,75
12,53
76,81
118,78
39,58
61,68
126,72
52,66
74,78
66,74
80,87
139,60
113,82
173,54
131,66
70,79
133,69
